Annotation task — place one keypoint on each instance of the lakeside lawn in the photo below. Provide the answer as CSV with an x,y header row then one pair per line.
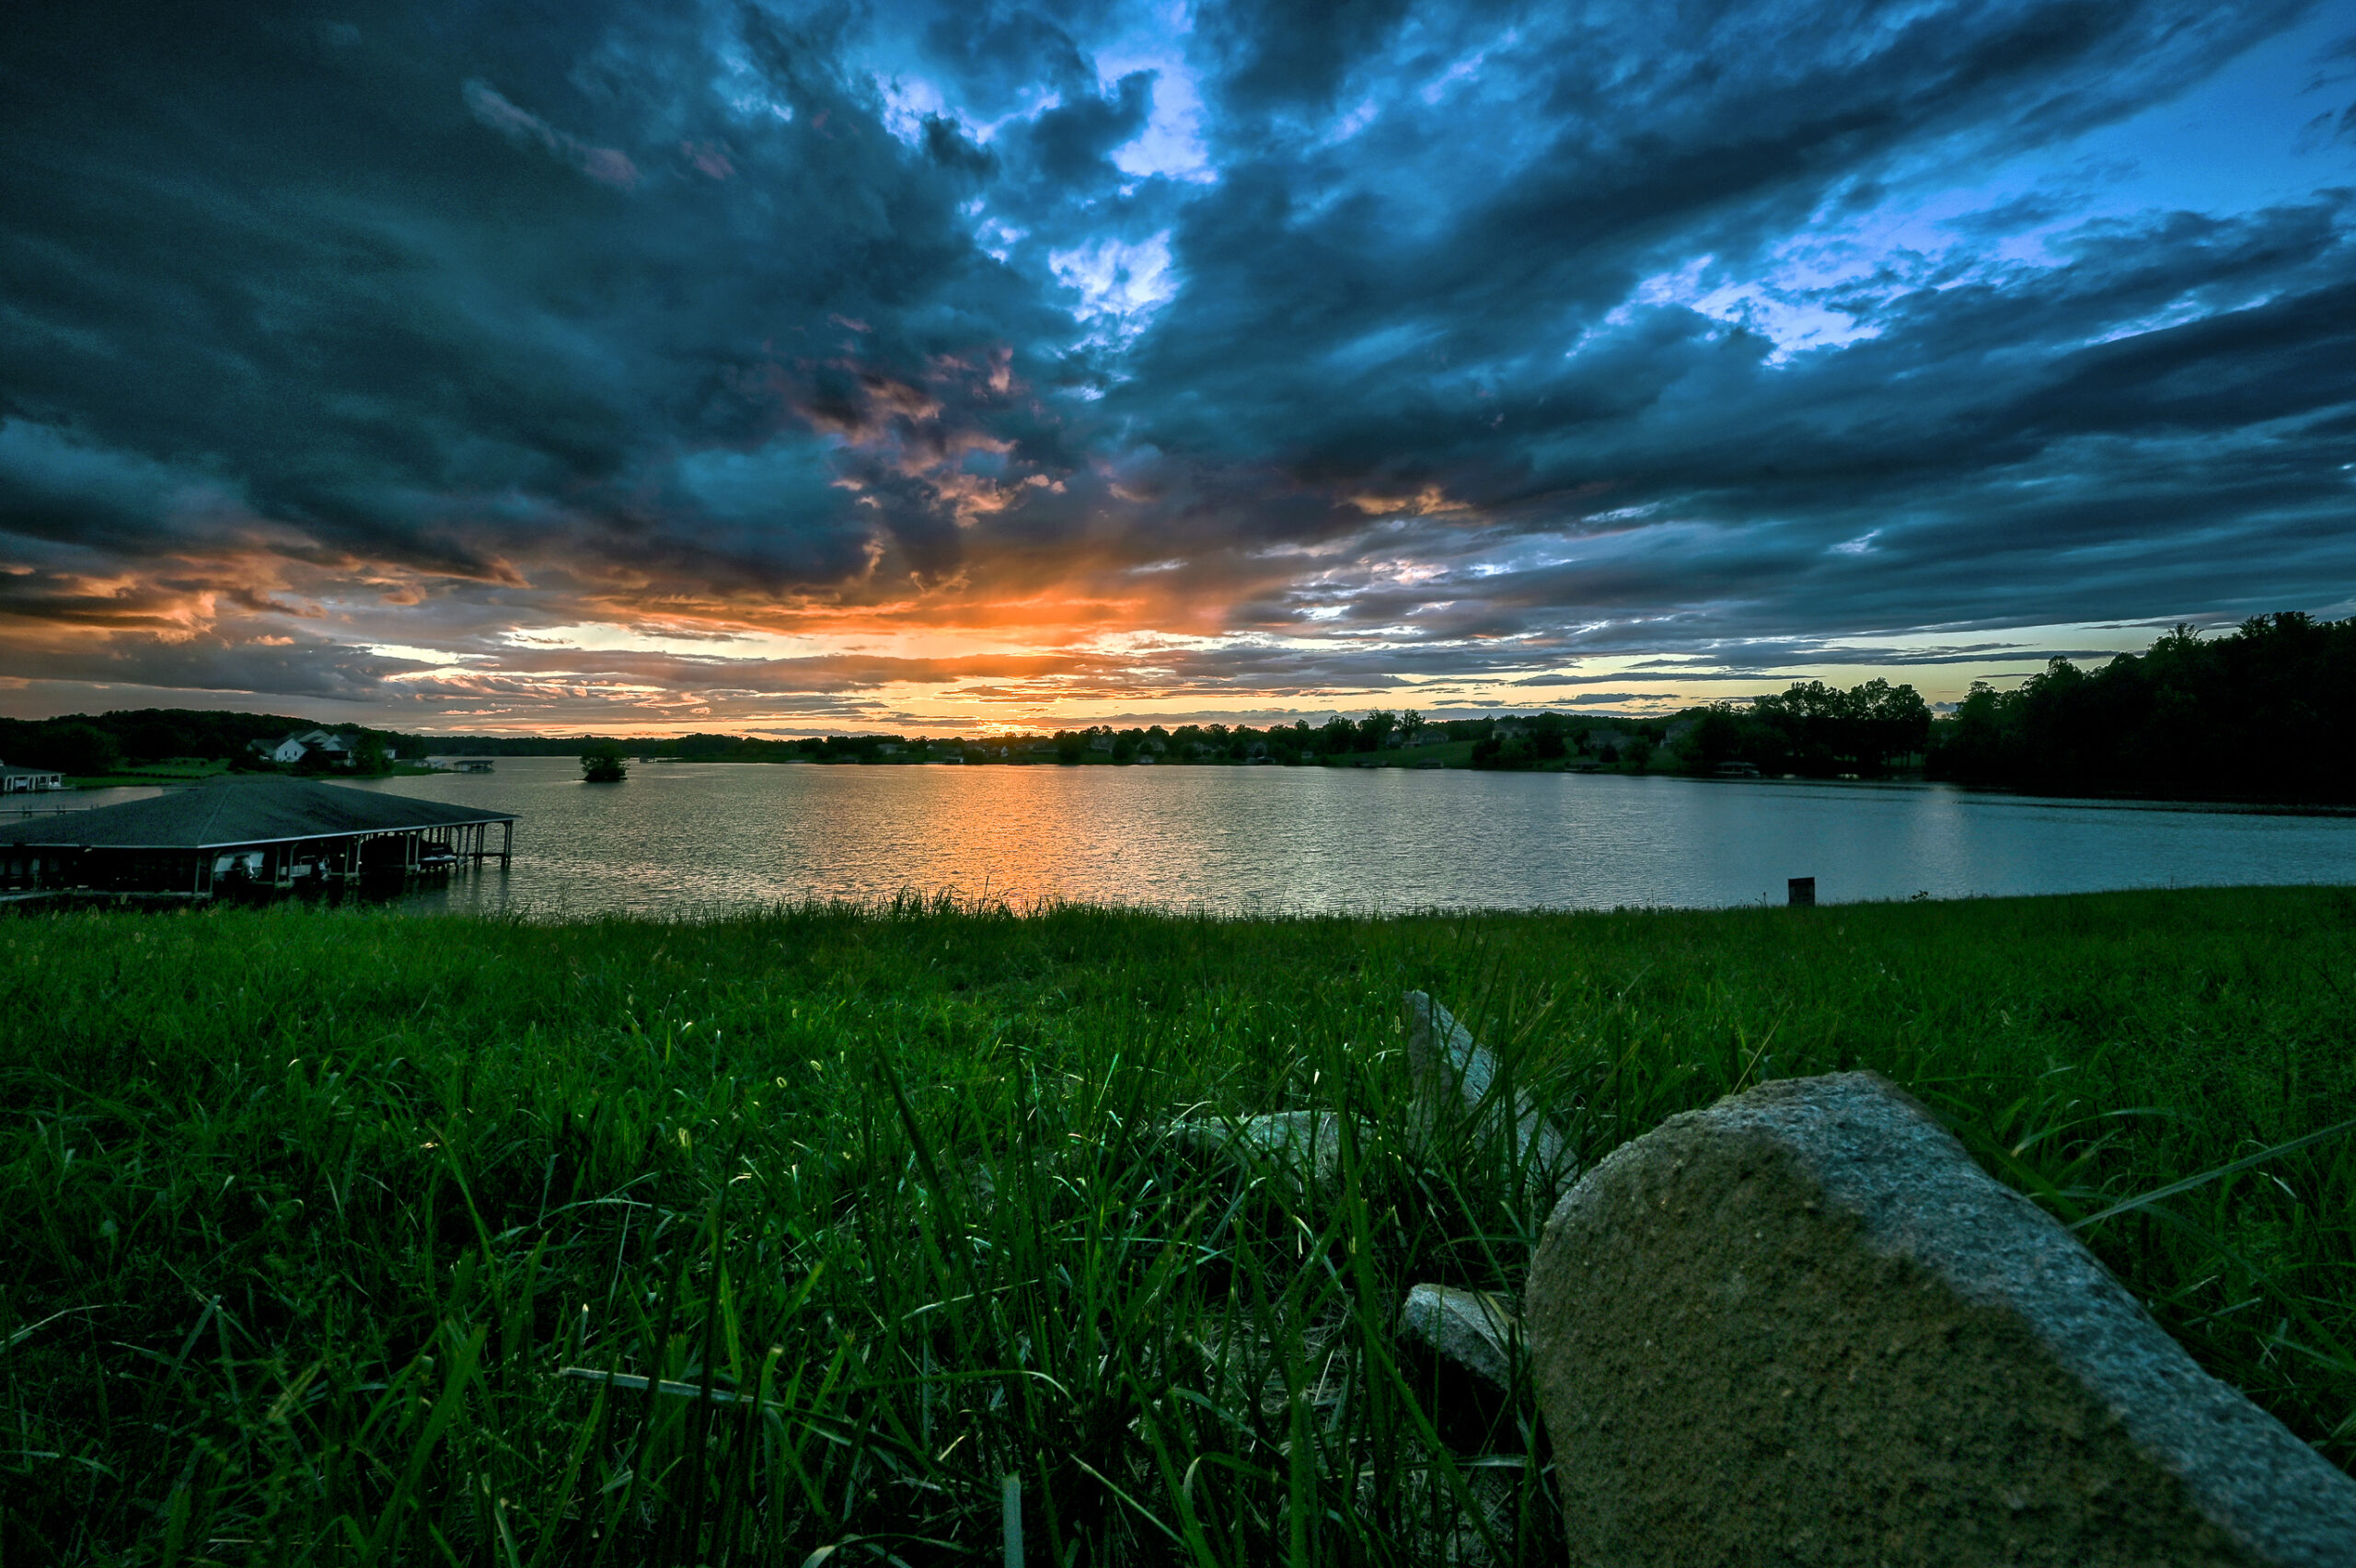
x,y
305,1209
177,771
195,770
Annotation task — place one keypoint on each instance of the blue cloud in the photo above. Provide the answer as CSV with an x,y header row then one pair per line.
x,y
1454,321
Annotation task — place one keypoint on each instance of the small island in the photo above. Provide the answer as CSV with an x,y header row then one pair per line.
x,y
603,763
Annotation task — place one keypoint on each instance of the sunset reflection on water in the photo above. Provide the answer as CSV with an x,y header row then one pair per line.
x,y
702,839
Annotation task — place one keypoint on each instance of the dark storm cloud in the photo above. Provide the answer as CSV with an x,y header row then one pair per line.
x,y
1474,352
309,666
443,297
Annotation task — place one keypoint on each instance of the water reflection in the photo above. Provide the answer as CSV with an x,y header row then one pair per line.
x,y
696,839
56,803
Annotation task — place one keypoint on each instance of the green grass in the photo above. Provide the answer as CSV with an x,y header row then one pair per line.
x,y
304,1210
177,771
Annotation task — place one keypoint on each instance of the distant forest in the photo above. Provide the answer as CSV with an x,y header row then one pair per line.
x,y
2267,711
84,745
88,745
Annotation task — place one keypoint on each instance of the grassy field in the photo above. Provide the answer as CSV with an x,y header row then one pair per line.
x,y
304,1210
178,770
195,770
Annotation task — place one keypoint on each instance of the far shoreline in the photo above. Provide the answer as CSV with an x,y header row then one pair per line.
x,y
2132,800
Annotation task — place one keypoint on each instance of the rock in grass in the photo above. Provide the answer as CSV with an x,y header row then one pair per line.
x,y
1804,1325
1457,1084
1471,1328
1303,1147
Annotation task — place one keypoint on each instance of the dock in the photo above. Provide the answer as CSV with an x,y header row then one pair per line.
x,y
236,835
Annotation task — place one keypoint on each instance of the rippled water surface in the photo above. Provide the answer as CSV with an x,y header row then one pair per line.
x,y
694,839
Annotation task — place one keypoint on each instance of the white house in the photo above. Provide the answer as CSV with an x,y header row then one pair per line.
x,y
19,781
294,748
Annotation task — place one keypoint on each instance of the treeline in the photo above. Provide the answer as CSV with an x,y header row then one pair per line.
x,y
1495,741
1813,730
84,745
2267,711
1585,741
1501,741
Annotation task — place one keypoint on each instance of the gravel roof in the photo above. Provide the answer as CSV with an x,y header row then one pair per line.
x,y
225,811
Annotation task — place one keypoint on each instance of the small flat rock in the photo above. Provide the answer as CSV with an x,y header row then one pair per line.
x,y
1306,1145
1804,1326
1456,1083
1471,1328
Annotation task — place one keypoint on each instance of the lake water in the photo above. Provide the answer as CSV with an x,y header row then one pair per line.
x,y
704,838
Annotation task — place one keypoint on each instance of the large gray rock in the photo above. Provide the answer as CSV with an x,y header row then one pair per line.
x,y
1471,1328
1803,1326
1456,1085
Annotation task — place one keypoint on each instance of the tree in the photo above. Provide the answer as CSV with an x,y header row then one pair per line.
x,y
153,741
82,749
1892,721
1721,733
2191,714
603,763
1548,737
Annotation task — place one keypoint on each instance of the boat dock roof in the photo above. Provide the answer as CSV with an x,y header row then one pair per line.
x,y
228,811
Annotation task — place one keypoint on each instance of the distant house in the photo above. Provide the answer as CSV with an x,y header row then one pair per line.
x,y
334,747
21,780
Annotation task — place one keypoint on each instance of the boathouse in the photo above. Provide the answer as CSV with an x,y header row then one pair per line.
x,y
19,780
232,833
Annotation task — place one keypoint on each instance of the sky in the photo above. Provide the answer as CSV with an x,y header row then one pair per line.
x,y
785,368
